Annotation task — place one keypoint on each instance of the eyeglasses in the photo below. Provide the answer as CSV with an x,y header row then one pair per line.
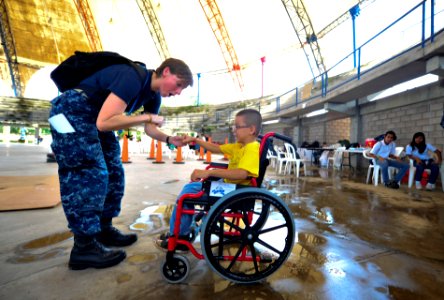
x,y
236,127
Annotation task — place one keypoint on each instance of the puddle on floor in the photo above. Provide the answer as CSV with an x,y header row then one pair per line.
x,y
40,249
122,278
141,258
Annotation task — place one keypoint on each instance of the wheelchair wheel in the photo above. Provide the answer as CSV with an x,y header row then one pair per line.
x,y
176,269
247,235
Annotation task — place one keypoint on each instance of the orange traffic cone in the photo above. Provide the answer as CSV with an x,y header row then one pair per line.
x,y
159,154
152,150
225,156
208,160
179,159
125,158
201,153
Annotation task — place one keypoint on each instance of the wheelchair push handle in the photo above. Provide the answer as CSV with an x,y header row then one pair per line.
x,y
283,138
277,136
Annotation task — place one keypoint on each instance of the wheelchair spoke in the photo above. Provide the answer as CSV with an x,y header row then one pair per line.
x,y
268,246
272,228
232,225
253,254
236,256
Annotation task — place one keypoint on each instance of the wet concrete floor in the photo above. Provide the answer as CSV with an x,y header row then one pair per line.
x,y
354,241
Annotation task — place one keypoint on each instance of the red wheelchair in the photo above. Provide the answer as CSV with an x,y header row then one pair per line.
x,y
245,235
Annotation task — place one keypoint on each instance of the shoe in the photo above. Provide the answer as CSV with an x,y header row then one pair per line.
x,y
87,252
162,243
430,186
112,237
189,237
418,185
392,184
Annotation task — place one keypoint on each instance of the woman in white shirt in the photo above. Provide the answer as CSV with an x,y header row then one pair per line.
x,y
419,151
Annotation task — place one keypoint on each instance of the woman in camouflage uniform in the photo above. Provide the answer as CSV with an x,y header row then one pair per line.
x,y
90,170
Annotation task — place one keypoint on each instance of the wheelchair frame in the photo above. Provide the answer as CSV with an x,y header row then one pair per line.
x,y
236,230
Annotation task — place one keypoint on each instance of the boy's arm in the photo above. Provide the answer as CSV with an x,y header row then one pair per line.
x,y
233,174
214,148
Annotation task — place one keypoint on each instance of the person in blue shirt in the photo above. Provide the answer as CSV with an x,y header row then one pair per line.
x,y
90,169
384,154
419,151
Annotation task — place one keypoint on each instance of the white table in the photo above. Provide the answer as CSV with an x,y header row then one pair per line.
x,y
351,151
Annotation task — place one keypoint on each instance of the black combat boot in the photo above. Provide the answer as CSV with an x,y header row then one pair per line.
x,y
112,237
89,253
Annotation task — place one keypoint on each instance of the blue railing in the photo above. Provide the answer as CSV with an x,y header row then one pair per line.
x,y
340,73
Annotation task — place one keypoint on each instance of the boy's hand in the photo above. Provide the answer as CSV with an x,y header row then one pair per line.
x,y
177,141
198,175
188,139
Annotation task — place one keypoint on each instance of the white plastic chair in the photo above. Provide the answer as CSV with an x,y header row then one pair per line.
x,y
377,171
280,160
305,156
272,158
336,159
292,160
412,171
188,153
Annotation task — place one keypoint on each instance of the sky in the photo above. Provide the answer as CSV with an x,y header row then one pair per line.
x,y
257,28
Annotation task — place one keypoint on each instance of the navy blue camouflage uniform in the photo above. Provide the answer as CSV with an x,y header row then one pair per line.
x,y
90,169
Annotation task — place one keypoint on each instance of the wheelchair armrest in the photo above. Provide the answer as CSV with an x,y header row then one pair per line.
x,y
217,166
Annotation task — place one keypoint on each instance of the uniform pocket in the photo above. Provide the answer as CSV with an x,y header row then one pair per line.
x,y
75,150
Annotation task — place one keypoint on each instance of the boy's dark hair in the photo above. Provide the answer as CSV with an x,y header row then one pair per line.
x,y
178,68
252,118
392,133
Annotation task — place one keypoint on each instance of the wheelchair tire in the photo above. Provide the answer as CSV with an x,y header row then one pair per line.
x,y
176,270
247,235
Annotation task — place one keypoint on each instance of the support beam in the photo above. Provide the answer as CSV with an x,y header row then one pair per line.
x,y
339,20
305,33
10,50
152,22
89,24
217,24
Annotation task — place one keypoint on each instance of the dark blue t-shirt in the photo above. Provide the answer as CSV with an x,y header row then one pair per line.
x,y
124,81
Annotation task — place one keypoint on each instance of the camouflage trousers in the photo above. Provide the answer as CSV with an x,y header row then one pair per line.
x,y
90,169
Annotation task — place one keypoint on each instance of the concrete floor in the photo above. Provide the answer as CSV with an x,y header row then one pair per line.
x,y
354,241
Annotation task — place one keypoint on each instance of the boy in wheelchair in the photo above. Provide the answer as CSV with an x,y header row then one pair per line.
x,y
243,165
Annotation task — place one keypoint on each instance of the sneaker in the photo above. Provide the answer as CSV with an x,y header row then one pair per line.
x,y
190,237
395,185
392,184
418,185
430,186
162,244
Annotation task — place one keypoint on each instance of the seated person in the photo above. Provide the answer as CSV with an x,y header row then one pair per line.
x,y
384,154
243,164
418,151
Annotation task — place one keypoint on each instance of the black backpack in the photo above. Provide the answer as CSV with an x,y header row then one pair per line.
x,y
81,65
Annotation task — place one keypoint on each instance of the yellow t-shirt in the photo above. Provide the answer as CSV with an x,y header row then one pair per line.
x,y
242,157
